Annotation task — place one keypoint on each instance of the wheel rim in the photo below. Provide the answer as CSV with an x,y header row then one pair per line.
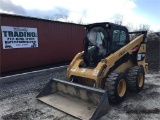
x,y
121,87
140,80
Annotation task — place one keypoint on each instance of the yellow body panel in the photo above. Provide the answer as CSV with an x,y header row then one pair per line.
x,y
143,62
125,66
101,70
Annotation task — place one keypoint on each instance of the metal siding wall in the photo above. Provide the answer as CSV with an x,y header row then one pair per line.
x,y
57,42
0,47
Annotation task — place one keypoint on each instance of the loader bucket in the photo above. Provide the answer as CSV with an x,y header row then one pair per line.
x,y
83,102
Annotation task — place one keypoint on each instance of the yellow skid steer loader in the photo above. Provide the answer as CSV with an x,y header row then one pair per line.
x,y
110,65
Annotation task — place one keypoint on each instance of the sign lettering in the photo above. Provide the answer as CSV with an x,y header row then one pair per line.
x,y
19,37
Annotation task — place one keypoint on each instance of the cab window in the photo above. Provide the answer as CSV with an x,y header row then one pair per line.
x,y
119,39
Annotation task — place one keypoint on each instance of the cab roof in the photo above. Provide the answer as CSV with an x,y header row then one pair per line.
x,y
108,25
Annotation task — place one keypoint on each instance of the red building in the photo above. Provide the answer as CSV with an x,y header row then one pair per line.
x,y
28,42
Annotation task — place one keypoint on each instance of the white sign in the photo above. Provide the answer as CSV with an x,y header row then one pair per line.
x,y
19,37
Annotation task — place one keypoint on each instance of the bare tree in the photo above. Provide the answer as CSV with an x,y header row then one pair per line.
x,y
80,21
118,19
130,27
144,27
57,17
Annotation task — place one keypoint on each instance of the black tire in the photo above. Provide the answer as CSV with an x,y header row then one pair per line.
x,y
116,86
136,78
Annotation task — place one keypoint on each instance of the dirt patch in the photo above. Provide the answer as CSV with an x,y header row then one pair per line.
x,y
153,55
147,111
28,114
153,95
18,100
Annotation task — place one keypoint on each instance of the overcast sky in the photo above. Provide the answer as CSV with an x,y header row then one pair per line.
x,y
131,11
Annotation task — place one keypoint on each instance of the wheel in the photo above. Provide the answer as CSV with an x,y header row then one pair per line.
x,y
135,77
116,86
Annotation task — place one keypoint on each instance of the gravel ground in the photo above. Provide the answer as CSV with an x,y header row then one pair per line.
x,y
18,102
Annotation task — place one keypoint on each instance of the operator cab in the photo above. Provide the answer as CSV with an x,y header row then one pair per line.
x,y
101,40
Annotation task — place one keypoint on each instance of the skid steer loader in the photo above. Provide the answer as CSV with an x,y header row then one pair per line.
x,y
110,65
